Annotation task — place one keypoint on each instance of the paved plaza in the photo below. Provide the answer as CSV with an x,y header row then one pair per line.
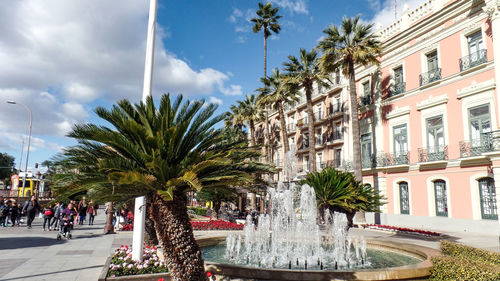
x,y
32,254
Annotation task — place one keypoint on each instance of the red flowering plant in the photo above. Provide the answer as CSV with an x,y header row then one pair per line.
x,y
403,229
123,264
216,225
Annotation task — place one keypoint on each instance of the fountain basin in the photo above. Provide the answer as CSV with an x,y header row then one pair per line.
x,y
412,271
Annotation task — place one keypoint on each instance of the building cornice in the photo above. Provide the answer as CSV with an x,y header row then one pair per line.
x,y
398,112
432,101
476,88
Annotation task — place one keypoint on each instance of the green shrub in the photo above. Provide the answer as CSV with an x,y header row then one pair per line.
x,y
459,250
448,268
200,211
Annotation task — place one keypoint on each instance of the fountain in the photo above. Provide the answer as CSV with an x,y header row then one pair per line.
x,y
290,236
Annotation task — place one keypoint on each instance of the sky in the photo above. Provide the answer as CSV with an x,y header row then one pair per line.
x,y
63,58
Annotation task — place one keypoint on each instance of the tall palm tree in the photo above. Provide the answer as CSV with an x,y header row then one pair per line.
x,y
161,152
267,21
354,44
305,72
277,94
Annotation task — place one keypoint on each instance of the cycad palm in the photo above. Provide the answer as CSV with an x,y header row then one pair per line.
x,y
354,44
305,72
163,153
277,94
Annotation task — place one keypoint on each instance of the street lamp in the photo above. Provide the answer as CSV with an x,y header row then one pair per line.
x,y
29,141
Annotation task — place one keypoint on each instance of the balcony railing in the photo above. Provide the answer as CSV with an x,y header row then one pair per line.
x,y
397,89
472,60
394,159
430,76
476,147
433,153
291,128
303,145
318,115
365,100
318,140
333,109
335,135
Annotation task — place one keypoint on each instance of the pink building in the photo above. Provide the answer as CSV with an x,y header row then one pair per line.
x,y
430,126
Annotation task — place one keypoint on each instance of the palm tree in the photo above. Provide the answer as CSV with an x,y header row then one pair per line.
x,y
339,191
354,45
276,94
304,73
162,153
250,112
267,21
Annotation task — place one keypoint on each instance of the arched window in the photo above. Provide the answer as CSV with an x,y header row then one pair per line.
x,y
404,198
440,198
488,199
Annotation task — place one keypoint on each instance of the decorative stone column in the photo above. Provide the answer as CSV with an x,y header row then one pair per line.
x,y
492,8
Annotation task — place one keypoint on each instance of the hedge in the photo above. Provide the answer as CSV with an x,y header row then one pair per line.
x,y
461,262
459,250
200,211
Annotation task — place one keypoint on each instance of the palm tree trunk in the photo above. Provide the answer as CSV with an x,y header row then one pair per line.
x,y
150,237
356,138
268,137
183,255
265,55
283,128
252,132
312,141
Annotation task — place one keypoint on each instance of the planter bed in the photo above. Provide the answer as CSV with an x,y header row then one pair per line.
x,y
405,231
216,225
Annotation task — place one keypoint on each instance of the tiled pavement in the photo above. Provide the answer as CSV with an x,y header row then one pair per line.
x,y
32,254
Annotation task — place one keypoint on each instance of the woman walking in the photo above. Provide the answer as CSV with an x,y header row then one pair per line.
x,y
30,208
48,214
92,212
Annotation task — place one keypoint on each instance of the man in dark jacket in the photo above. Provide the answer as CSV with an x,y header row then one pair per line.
x,y
30,208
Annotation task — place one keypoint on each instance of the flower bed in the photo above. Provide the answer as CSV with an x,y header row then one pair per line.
x,y
403,230
123,264
216,225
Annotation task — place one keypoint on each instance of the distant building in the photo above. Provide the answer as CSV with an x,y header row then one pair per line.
x,y
430,119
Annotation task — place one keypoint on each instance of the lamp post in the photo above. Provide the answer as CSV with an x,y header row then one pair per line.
x,y
29,142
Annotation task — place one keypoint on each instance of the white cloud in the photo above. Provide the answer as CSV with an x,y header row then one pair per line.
x,y
58,56
215,100
385,15
233,90
294,6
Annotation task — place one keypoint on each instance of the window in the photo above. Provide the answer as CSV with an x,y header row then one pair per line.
x,y
292,144
305,140
488,199
432,61
435,134
475,42
305,164
337,134
366,88
479,123
398,75
319,161
404,198
366,97
338,157
440,198
366,150
399,85
318,138
400,140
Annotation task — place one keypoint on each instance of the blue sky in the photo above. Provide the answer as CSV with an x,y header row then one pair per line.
x,y
64,58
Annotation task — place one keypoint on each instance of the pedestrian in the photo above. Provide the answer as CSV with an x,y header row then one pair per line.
x,y
48,214
14,213
92,212
4,212
69,212
55,219
30,207
19,214
82,210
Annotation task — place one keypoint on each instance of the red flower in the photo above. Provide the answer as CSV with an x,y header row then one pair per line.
x,y
209,273
161,279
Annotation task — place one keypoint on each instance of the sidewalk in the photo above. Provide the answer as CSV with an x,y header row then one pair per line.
x,y
34,254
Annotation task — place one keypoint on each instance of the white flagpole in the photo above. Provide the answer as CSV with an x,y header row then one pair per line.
x,y
140,202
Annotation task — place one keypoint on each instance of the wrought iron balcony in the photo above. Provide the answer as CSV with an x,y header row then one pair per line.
x,y
430,76
397,89
394,159
476,147
433,153
365,100
335,135
335,109
291,128
472,60
303,145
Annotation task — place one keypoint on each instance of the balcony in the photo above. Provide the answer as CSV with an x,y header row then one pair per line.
x,y
472,60
318,115
365,100
290,128
303,145
397,89
396,159
303,122
433,153
430,76
334,136
335,109
319,140
476,147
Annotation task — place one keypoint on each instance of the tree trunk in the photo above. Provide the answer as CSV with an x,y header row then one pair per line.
x,y
312,140
217,208
283,129
356,138
150,237
265,54
268,137
109,228
252,132
183,255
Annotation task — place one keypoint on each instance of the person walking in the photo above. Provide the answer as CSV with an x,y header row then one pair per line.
x,y
48,214
30,207
14,213
4,212
82,210
57,214
92,212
